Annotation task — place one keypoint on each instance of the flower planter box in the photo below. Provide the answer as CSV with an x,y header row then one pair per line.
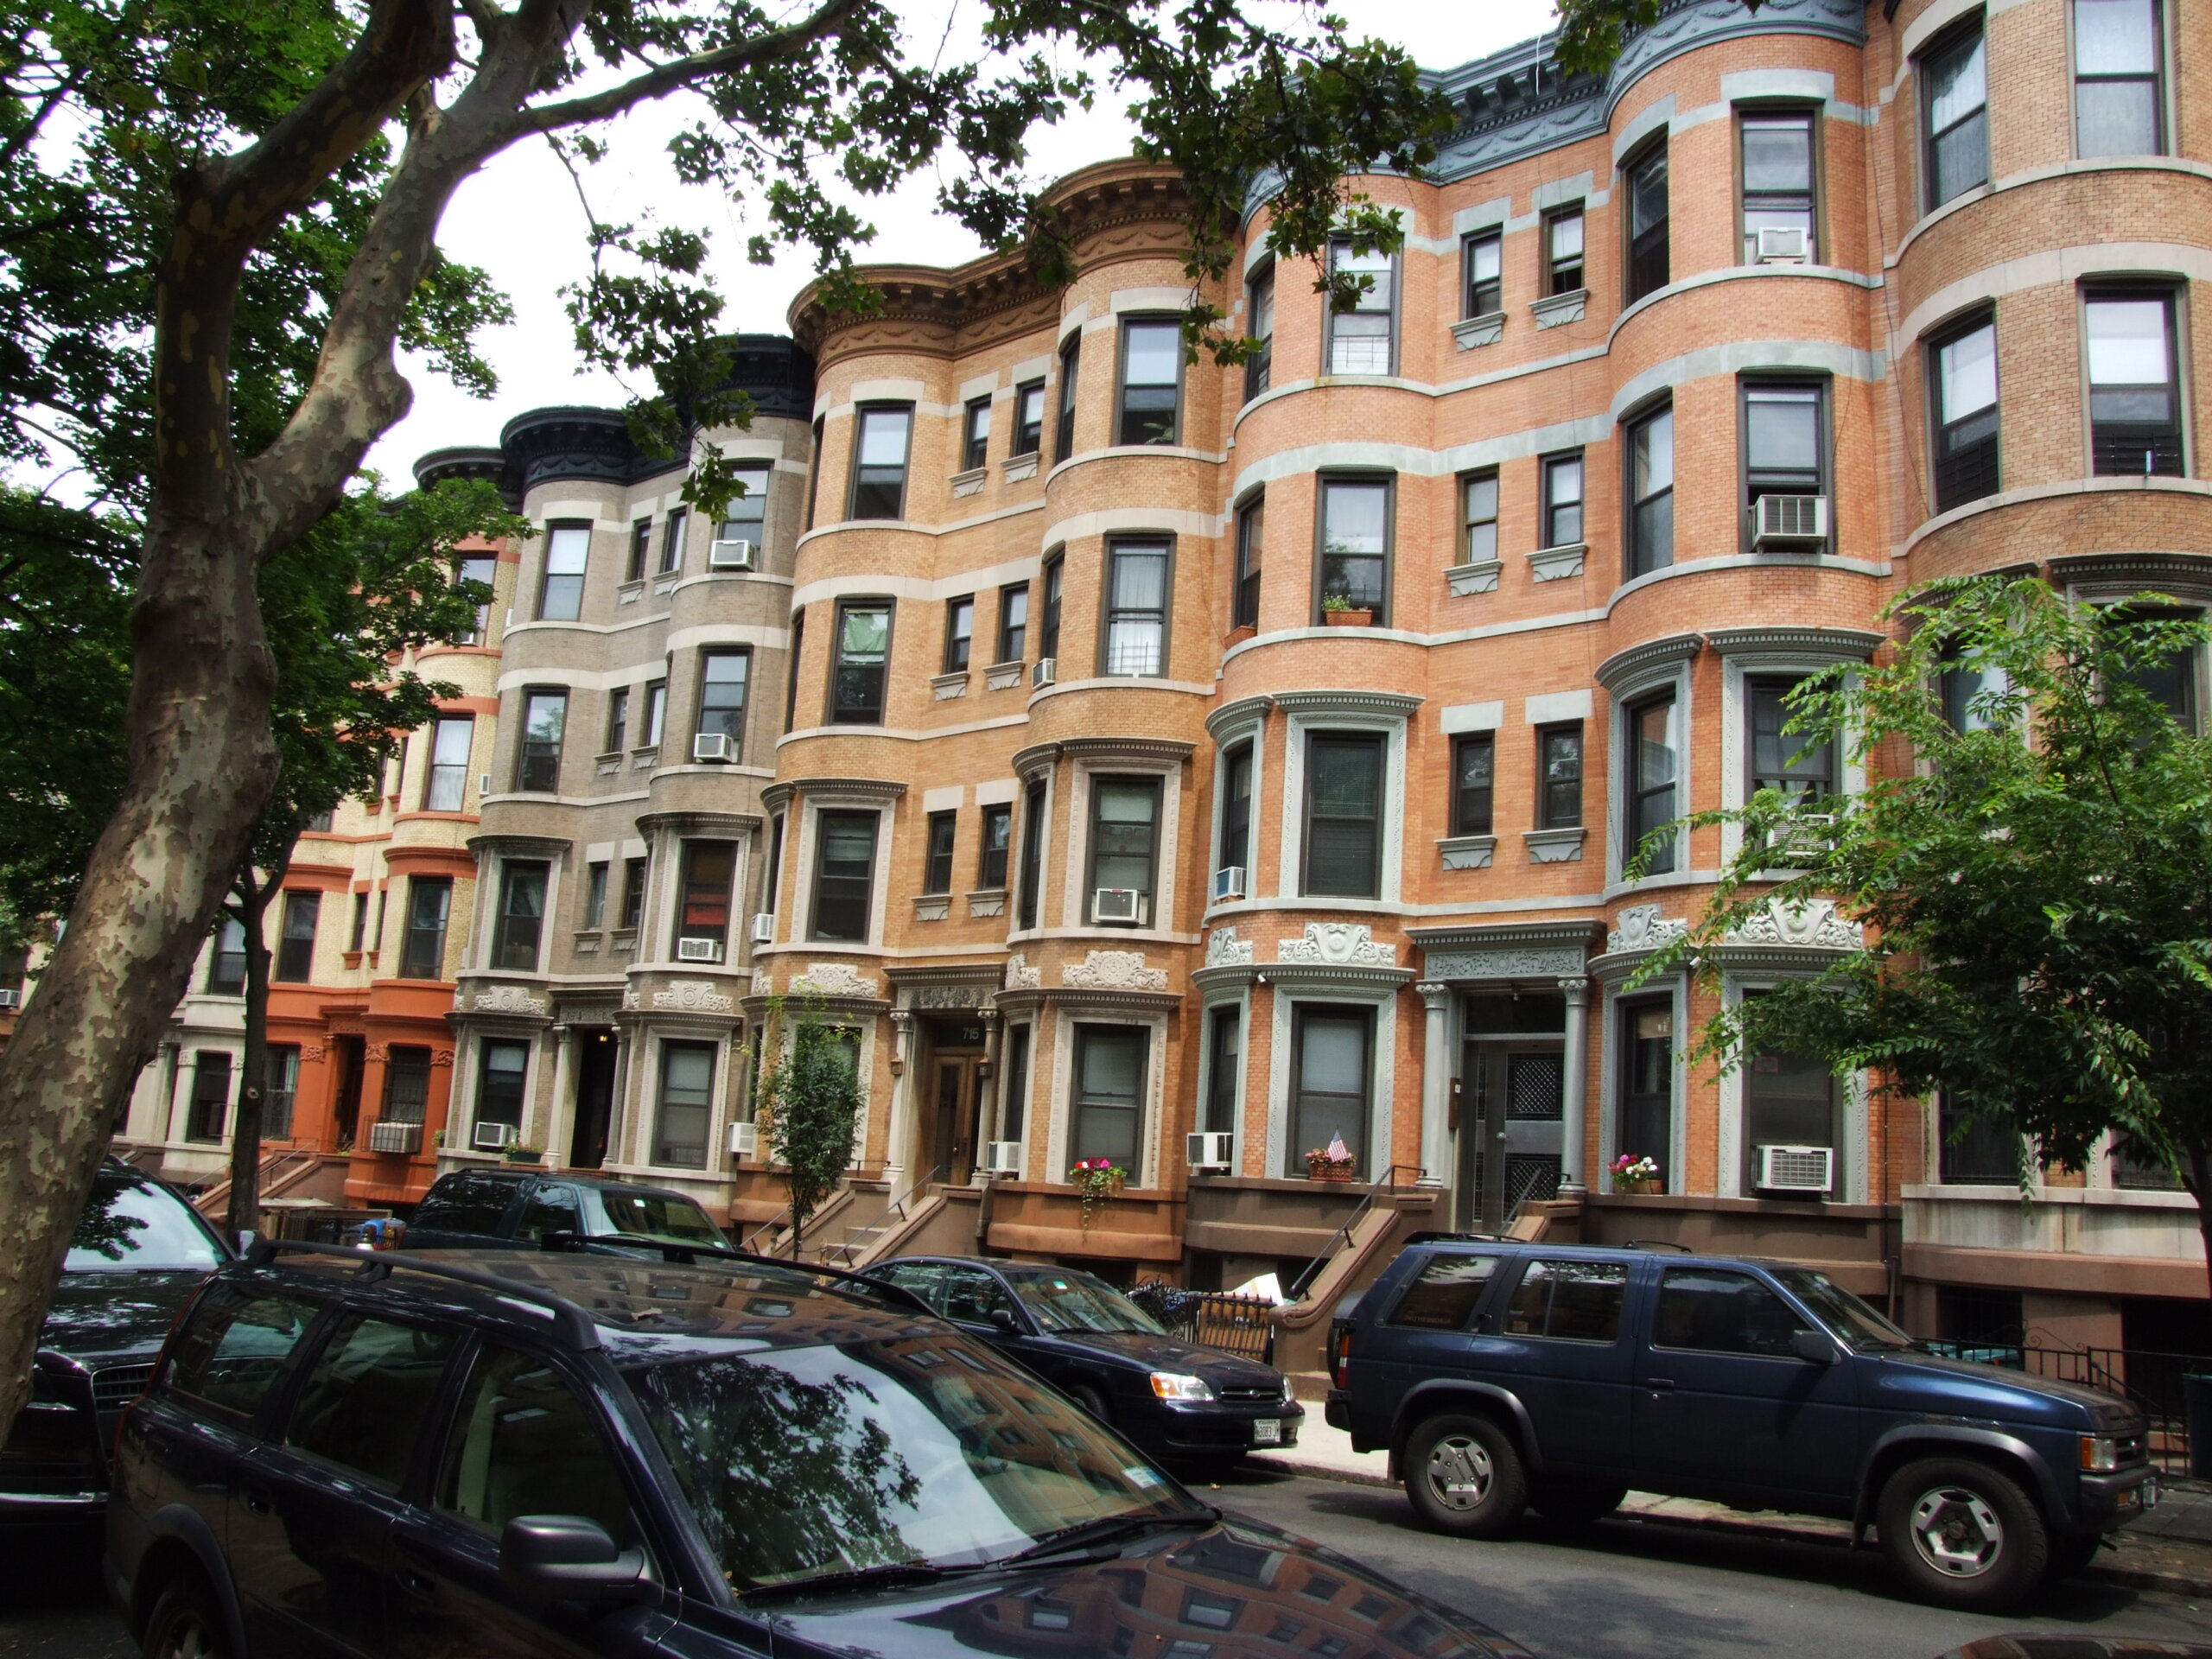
x,y
524,1157
1329,1175
1349,618
1641,1186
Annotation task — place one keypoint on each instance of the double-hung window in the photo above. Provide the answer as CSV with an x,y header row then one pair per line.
x,y
1064,433
1360,339
2134,392
1789,1100
1474,780
1962,387
1032,855
649,734
1484,255
671,544
641,549
1124,848
618,719
226,962
975,445
1643,1127
595,875
1563,251
522,915
480,567
1355,545
1974,1148
936,861
407,1083
723,676
1478,518
1029,419
959,633
880,447
1801,771
429,902
1651,493
1955,116
2118,63
792,666
702,912
538,757
1152,381
567,547
447,786
1137,608
1109,1076
1785,448
1330,1094
1562,499
1048,633
2170,679
844,875
502,1065
1013,622
1778,173
1225,1065
1962,680
283,1080
1013,1099
634,892
295,945
211,1094
998,841
687,1104
1558,776
746,518
1344,815
1259,368
1653,764
856,678
1648,262
1251,547
1236,810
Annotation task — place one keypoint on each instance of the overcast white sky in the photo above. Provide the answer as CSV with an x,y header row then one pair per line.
x,y
519,220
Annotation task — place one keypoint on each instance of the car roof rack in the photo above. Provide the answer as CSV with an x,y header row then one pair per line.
x,y
574,1322
562,1241
1658,1244
1435,1237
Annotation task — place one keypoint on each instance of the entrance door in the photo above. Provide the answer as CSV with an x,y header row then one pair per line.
x,y
1510,1145
953,1118
346,1109
594,1099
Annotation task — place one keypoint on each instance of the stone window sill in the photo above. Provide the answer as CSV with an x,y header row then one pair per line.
x,y
1485,330
1552,563
971,481
1554,846
949,686
1467,852
1477,576
933,906
1557,309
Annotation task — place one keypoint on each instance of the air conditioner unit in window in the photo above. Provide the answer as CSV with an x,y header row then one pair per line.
x,y
698,949
1784,244
763,927
1227,883
1002,1157
1043,672
1796,1169
1780,519
492,1137
744,1140
1212,1149
734,555
386,1136
10,998
1116,905
711,745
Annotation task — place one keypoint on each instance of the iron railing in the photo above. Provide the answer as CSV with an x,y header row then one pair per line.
x,y
2150,1380
1236,1325
1339,1240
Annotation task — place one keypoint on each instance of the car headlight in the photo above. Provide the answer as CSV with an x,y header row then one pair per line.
x,y
1175,1385
2100,1455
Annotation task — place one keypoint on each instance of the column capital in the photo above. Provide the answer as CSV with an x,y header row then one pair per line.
x,y
1436,992
1576,990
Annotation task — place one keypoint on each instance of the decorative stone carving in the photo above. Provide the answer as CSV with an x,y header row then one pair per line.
x,y
441,1057
1467,852
1479,331
1479,577
376,1053
1225,949
1812,923
1114,971
832,979
508,999
308,1051
630,1001
1337,944
1516,962
1643,928
1020,976
764,982
693,996
956,994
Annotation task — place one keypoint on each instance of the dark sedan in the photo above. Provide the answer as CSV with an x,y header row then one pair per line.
x,y
138,1253
1179,1402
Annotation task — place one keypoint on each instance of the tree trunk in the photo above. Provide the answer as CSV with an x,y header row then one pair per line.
x,y
254,896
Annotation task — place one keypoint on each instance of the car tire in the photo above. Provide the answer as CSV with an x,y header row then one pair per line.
x,y
1091,1401
1567,1505
1463,1476
1961,1533
2073,1554
186,1622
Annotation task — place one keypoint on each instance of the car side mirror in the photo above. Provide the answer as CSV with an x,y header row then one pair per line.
x,y
569,1558
1814,1347
1004,1323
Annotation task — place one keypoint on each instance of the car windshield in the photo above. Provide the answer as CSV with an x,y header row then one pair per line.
x,y
653,1215
1842,1312
129,1227
804,1462
1076,1302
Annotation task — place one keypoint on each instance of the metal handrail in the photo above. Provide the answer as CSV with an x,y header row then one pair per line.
x,y
897,1205
1342,1237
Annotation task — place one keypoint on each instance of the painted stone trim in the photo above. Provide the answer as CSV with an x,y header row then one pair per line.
x,y
1485,330
1477,576
1558,309
1641,927
693,996
1467,852
1113,970
1526,961
1225,949
1552,563
832,979
1554,846
1337,944
508,999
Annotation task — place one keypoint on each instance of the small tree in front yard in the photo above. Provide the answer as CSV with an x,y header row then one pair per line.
x,y
810,1093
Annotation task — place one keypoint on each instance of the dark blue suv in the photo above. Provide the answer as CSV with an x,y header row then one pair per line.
x,y
568,1454
1500,1375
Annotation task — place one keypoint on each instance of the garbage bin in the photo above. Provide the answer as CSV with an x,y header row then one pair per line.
x,y
2196,1410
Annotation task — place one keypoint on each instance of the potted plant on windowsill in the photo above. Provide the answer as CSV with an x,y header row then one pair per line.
x,y
1338,612
1096,1180
518,1154
1330,1163
1633,1172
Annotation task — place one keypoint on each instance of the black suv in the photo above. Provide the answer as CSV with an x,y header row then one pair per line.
x,y
1497,1375
474,1209
569,1454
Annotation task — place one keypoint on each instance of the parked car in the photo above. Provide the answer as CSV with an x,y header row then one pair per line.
x,y
1499,1375
1195,1406
566,1454
138,1253
515,1208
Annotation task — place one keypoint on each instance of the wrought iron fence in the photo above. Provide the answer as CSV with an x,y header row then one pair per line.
x,y
2150,1380
1236,1325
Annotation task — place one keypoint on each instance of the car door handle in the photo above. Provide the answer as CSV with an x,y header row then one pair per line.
x,y
1660,1384
419,1585
257,1502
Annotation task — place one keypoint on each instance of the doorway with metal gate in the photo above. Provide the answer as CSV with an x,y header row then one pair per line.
x,y
953,1084
595,1050
1513,1106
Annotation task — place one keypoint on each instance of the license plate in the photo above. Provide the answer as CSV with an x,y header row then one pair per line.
x,y
1267,1431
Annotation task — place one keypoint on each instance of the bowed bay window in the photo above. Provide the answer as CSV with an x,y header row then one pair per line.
x,y
1360,340
2118,76
1779,221
879,449
1955,116
2134,386
1124,849
844,876
1152,381
1355,552
567,549
1344,815
1654,765
1109,1091
863,652
1137,609
1962,382
1332,1084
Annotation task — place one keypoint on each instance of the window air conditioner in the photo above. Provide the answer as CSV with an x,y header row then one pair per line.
x,y
744,1140
1782,518
735,555
1212,1149
1002,1157
1783,245
10,998
763,927
698,949
1044,672
492,1137
1796,1169
483,783
1115,905
1227,883
710,746
387,1136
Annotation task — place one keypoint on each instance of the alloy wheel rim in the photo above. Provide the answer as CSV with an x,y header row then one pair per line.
x,y
1460,1472
1956,1532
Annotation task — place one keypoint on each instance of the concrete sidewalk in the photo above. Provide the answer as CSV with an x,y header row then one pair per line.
x,y
2170,1548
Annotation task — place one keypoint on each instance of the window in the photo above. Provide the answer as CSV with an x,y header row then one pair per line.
x,y
1110,1065
1483,256
480,567
1048,641
226,963
1782,440
282,1090
538,757
1355,545
687,1104
936,862
1137,608
1124,826
1033,854
447,785
1563,251
1778,157
772,877
2169,680
406,1084
863,652
524,1443
790,668
1443,1297
1783,761
234,1349
1652,767
879,462
2117,97
844,872
211,1094
998,841
567,548
1559,782
1071,360
649,735
1651,493
618,720
633,892
1259,368
959,633
709,868
1014,1106
1963,381
722,678
1224,1066
295,947
1964,680
522,915
747,519
1562,502
671,541
502,1064
1574,1301
372,1387
1013,623
814,471
1152,381
641,547
2134,398
1359,339
359,926
1237,809
1955,114
429,902
1474,769
1711,1311
975,444
1478,518
1329,1093
1645,1127
1344,815
1789,1100
1647,225
1029,419
1251,547
595,894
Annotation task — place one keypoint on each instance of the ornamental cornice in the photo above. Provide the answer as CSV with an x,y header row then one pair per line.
x,y
1500,936
880,789
1156,750
1625,666
698,823
1389,705
511,846
2110,576
1839,645
1235,716
1038,757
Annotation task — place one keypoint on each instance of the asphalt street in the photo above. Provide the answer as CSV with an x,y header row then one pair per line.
x,y
1623,1590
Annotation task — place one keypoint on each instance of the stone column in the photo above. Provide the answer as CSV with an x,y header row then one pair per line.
x,y
899,1128
1573,1086
555,1118
1436,1083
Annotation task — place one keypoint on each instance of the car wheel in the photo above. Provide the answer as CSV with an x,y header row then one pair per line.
x,y
1091,1401
186,1622
2073,1554
1463,1476
1961,1533
1576,1506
